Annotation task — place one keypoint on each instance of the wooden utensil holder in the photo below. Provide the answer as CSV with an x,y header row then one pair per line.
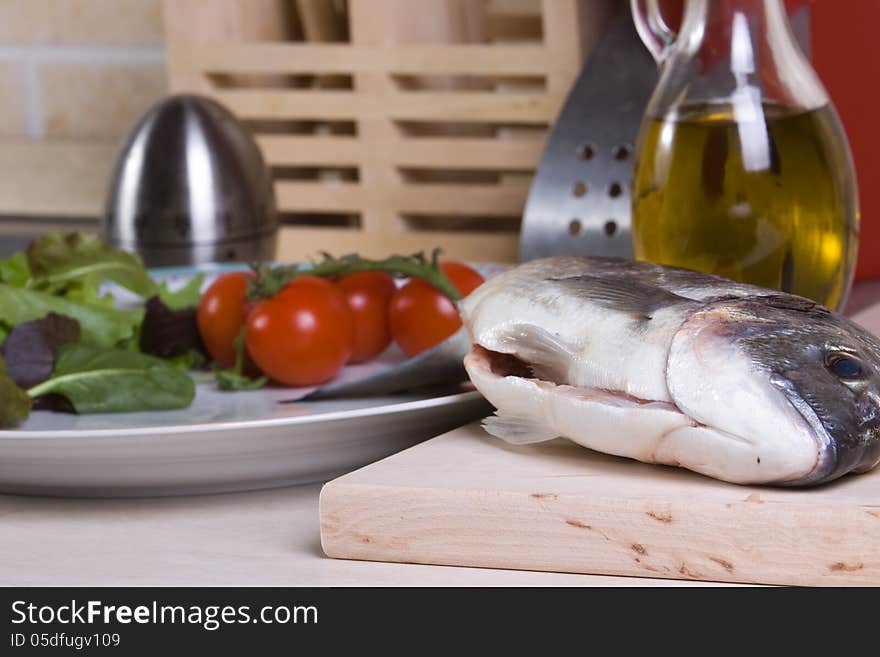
x,y
403,137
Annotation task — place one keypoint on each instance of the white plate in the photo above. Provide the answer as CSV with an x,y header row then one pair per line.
x,y
222,442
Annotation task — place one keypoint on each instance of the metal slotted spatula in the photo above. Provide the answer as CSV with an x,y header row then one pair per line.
x,y
579,203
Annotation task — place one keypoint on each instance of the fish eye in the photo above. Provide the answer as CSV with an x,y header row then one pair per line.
x,y
844,366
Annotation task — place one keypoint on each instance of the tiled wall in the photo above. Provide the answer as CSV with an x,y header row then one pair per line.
x,y
78,69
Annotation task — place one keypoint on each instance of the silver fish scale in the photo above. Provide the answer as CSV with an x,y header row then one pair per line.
x,y
684,282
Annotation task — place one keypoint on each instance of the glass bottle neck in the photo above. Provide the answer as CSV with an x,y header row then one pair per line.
x,y
727,46
724,25
725,9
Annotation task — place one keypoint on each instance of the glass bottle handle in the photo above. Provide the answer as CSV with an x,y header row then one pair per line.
x,y
652,29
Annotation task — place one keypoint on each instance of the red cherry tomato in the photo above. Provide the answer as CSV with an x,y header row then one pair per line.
x,y
421,316
303,335
221,313
368,294
465,279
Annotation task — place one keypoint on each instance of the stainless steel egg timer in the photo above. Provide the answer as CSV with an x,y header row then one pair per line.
x,y
191,186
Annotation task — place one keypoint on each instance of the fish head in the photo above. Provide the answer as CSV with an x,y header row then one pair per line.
x,y
829,368
788,371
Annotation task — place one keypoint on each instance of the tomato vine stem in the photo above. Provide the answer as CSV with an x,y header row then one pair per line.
x,y
234,378
271,279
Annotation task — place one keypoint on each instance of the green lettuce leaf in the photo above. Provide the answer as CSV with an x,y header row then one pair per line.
x,y
15,270
98,380
191,360
15,405
186,297
100,325
90,295
81,260
229,380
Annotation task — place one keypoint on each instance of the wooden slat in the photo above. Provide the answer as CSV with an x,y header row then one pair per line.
x,y
370,24
319,197
323,22
513,26
466,153
294,150
464,106
571,29
300,243
448,59
427,152
188,22
460,200
434,199
560,33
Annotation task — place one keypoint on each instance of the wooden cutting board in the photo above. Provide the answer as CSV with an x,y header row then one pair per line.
x,y
467,499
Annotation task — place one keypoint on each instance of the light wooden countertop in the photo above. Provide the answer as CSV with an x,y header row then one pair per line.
x,y
263,538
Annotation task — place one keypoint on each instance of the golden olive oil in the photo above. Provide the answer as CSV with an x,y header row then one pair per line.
x,y
765,197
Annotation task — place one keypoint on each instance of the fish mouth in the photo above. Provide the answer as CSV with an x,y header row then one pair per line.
x,y
503,365
839,454
561,410
827,457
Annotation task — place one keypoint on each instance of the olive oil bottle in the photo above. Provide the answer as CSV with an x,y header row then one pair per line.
x,y
742,167
769,201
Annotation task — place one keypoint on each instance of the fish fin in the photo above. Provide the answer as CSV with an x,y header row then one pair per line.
x,y
518,430
623,293
547,356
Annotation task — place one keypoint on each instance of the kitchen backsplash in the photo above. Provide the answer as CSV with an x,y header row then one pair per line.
x,y
78,69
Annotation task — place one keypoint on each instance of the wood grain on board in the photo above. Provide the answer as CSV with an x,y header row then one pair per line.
x,y
467,499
